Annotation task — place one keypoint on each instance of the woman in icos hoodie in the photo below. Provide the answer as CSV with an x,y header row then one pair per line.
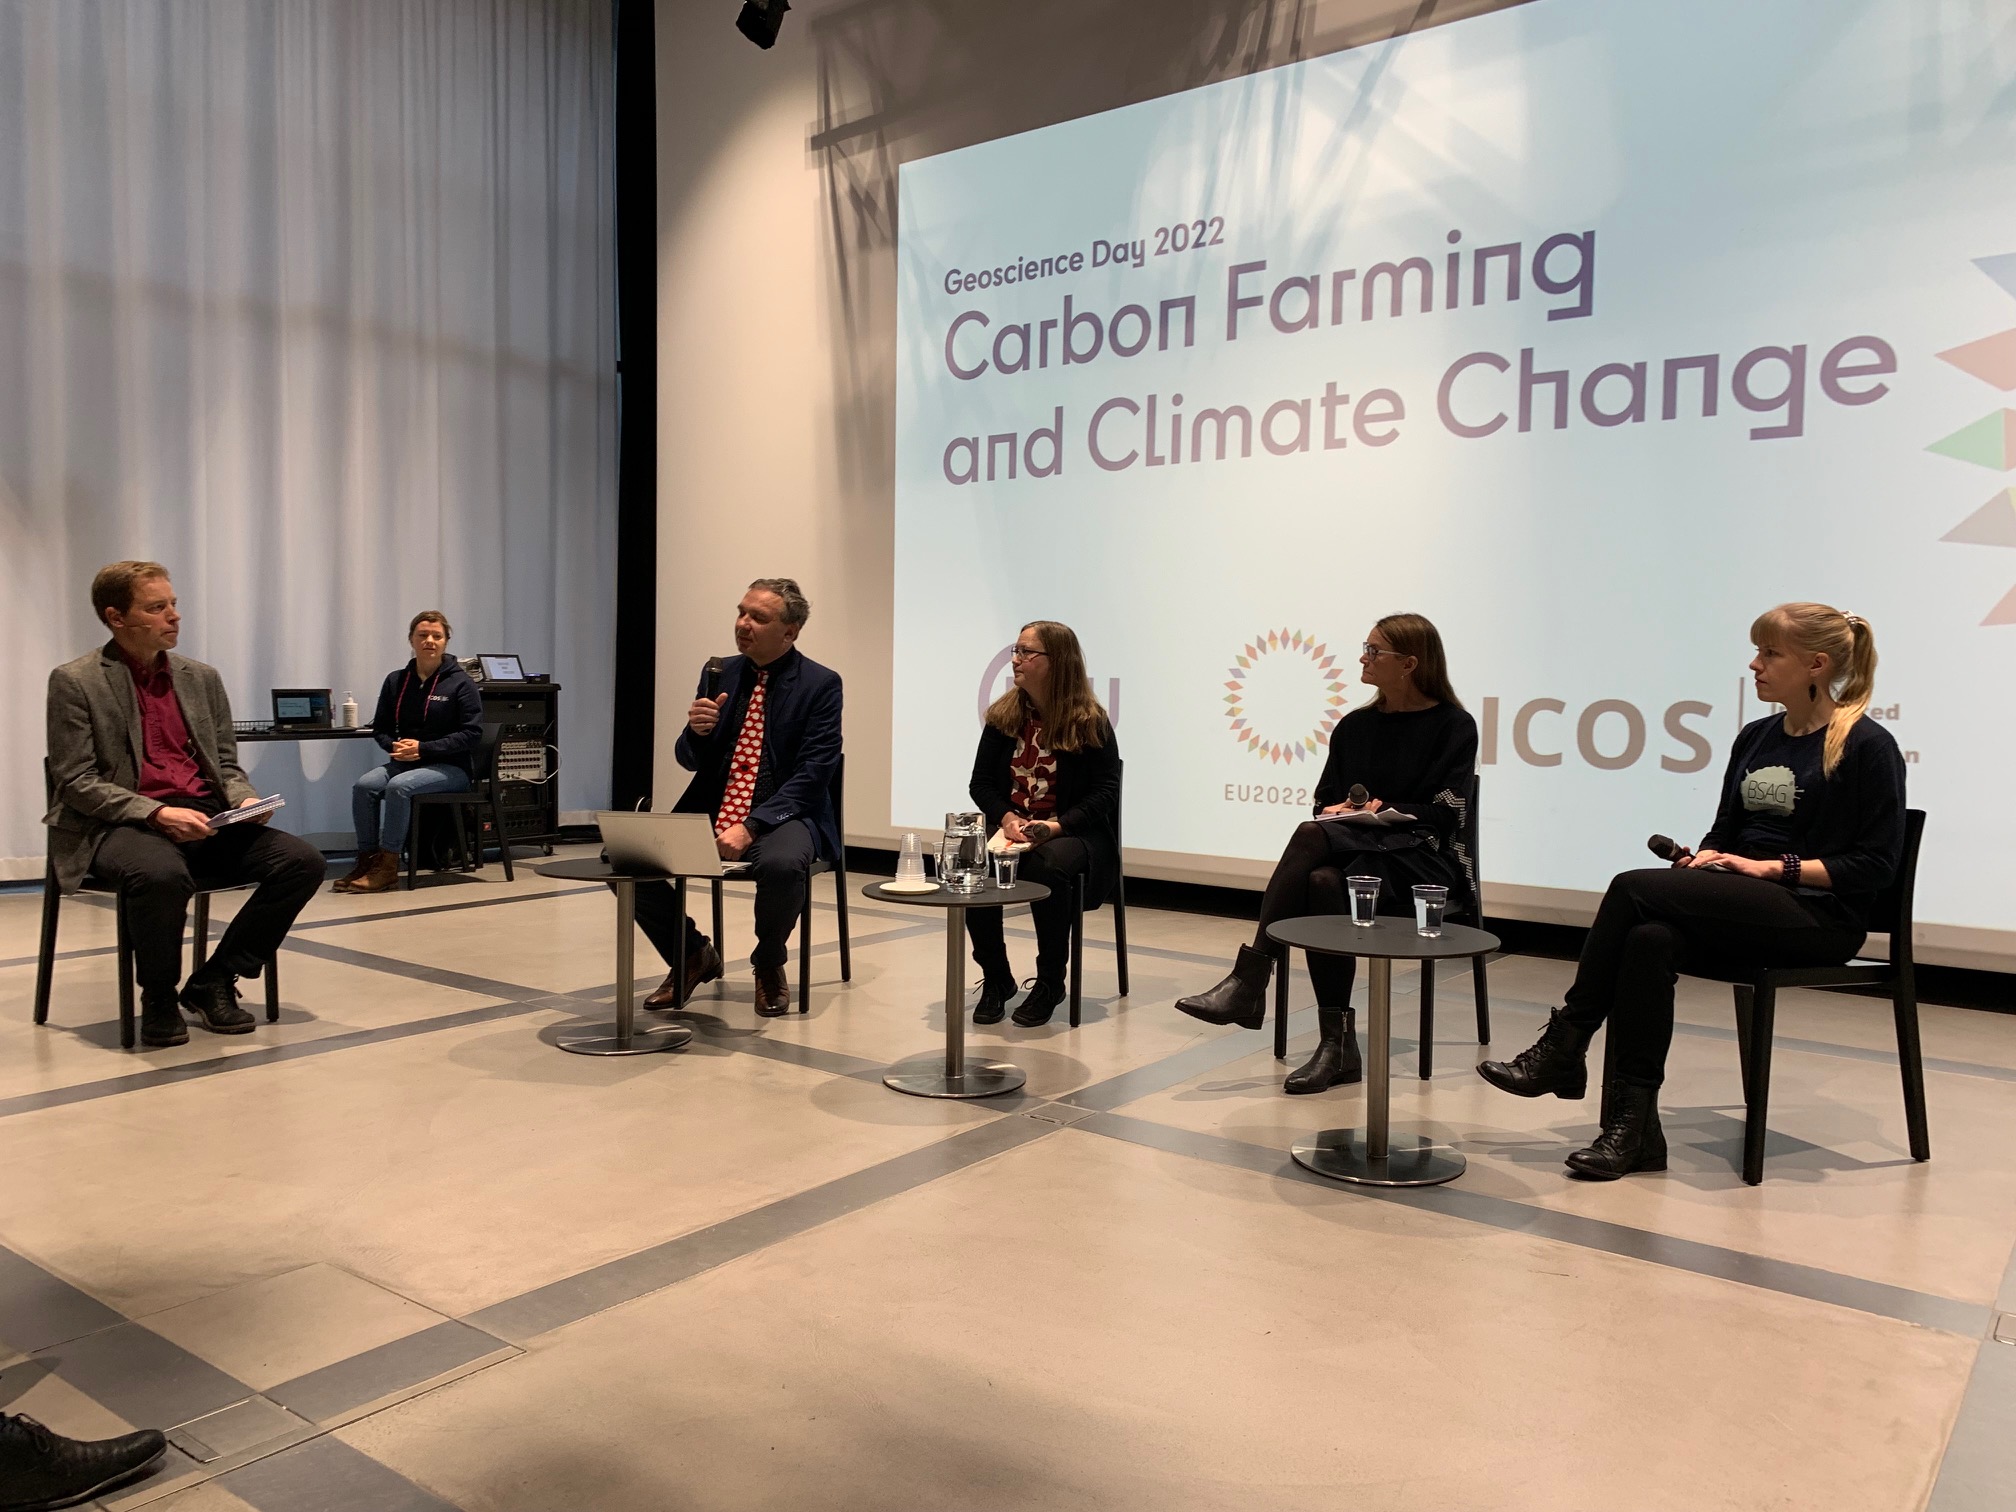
x,y
429,720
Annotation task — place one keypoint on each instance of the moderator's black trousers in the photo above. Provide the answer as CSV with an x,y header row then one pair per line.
x,y
155,879
1657,923
780,863
1057,864
1309,879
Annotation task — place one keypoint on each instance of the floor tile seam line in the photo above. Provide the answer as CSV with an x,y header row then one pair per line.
x,y
1022,1132
313,1499
1988,1378
267,1055
1741,1267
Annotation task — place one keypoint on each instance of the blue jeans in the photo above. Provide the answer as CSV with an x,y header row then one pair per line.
x,y
394,785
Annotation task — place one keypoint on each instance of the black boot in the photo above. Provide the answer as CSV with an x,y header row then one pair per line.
x,y
40,1469
994,994
161,1020
214,1001
1241,998
1557,1062
1631,1139
1336,1062
1040,1004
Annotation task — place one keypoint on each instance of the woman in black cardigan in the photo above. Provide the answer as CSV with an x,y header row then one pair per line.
x,y
1809,831
1047,774
1412,749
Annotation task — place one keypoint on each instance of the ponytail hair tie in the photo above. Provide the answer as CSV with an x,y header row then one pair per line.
x,y
1853,619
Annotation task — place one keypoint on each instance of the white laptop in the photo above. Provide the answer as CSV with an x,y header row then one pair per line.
x,y
682,844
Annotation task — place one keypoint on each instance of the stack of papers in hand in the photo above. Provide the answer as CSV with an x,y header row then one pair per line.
x,y
257,810
1369,816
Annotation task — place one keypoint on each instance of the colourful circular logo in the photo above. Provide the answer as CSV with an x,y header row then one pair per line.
x,y
1284,695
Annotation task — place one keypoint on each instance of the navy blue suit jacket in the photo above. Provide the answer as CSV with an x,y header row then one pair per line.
x,y
801,747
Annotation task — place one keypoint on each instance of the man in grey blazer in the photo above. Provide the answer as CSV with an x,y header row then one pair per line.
x,y
141,756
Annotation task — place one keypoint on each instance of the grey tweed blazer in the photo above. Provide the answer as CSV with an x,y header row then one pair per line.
x,y
94,751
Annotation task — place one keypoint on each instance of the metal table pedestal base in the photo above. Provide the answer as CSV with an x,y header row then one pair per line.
x,y
625,1036
955,1075
1410,1160
981,1079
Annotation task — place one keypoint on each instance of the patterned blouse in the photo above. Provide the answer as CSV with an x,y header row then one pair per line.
x,y
1032,773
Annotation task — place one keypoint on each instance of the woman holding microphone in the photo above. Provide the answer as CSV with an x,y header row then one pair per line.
x,y
1412,749
1047,775
1810,829
429,720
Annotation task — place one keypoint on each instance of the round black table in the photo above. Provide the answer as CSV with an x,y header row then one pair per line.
x,y
960,1077
623,1037
1376,1160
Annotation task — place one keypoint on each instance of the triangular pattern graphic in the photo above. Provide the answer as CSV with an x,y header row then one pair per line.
x,y
1993,524
2001,268
1991,359
2003,613
1988,442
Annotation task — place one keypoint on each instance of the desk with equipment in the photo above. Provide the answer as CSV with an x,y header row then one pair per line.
x,y
526,710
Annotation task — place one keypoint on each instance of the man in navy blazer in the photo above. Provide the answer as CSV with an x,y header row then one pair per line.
x,y
770,796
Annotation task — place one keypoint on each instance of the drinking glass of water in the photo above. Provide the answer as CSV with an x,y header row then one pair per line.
x,y
1004,870
1429,901
1364,899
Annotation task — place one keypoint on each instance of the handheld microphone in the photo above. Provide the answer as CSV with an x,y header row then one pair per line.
x,y
713,683
1358,796
1667,850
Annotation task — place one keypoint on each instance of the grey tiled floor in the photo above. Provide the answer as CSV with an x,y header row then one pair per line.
x,y
398,1252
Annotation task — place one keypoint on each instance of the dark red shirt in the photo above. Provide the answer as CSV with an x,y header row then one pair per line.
x,y
168,769
1032,773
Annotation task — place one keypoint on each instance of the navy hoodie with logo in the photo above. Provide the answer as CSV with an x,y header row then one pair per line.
x,y
444,712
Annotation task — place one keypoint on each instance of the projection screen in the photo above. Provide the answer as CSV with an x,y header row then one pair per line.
x,y
1588,330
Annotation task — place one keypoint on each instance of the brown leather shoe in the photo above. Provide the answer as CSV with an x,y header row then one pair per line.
x,y
383,874
773,992
702,966
357,873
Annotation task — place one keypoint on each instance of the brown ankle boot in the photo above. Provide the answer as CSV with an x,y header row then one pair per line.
x,y
383,873
358,872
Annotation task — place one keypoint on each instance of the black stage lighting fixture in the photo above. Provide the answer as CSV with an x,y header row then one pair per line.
x,y
760,20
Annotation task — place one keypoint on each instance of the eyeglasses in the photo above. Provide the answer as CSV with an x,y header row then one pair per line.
x,y
1022,654
1375,652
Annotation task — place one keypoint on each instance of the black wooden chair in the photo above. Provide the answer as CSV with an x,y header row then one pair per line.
x,y
45,959
483,794
1756,994
1118,903
820,866
1470,912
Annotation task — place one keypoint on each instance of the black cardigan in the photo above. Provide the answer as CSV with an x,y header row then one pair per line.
x,y
1854,823
1088,798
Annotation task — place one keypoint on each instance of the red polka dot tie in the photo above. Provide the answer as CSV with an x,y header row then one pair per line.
x,y
743,765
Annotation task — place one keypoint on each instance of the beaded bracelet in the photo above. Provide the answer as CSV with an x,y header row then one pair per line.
x,y
1791,864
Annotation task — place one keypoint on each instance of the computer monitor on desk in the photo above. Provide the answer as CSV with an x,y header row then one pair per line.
x,y
300,708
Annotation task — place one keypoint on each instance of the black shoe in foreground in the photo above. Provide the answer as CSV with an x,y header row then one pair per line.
x,y
1631,1140
994,995
1557,1062
1241,998
1040,1004
215,1004
1336,1062
161,1020
40,1470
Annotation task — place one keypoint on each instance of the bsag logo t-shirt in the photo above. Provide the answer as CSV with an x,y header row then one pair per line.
x,y
1771,790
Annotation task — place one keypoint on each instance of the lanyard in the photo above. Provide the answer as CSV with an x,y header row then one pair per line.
x,y
400,703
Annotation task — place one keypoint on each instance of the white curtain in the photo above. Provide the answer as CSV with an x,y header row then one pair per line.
x,y
313,301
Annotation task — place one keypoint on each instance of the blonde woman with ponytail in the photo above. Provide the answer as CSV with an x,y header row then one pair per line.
x,y
1809,831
